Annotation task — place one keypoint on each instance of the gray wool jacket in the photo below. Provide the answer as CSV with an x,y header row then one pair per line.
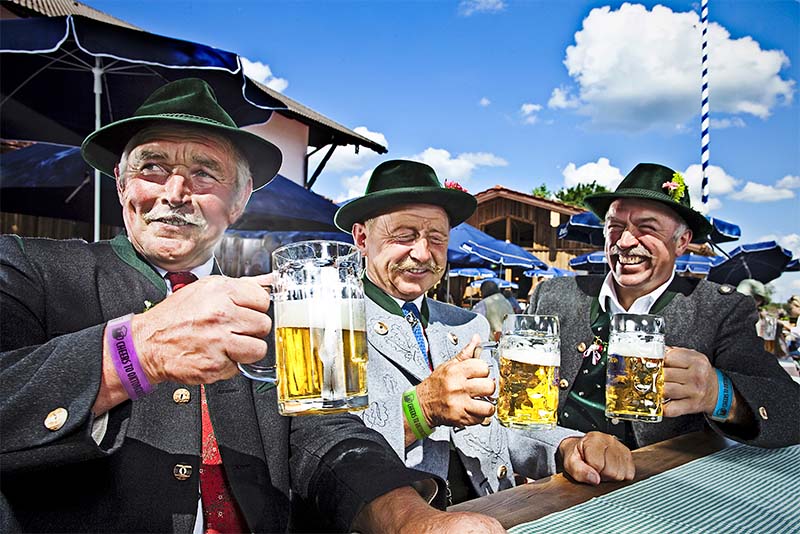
x,y
711,319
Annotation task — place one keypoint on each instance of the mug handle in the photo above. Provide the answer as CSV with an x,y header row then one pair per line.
x,y
259,373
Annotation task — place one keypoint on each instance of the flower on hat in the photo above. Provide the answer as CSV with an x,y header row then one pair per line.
x,y
676,187
452,184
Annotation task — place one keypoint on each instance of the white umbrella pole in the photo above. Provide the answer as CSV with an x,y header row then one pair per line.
x,y
97,74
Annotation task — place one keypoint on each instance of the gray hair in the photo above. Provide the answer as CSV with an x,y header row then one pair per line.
x,y
242,166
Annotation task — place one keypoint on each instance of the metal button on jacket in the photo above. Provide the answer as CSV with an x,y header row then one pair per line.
x,y
182,471
56,419
581,347
453,338
502,471
762,412
181,396
563,383
381,329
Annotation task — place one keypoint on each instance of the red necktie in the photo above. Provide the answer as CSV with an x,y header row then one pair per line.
x,y
220,511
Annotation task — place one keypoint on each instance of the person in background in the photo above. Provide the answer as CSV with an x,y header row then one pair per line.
x,y
122,407
430,381
791,330
767,324
716,371
494,306
509,295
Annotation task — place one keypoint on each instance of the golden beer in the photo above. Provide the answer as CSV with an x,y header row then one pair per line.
x,y
321,357
635,369
528,390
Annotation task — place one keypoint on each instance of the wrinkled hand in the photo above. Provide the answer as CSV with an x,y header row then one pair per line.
x,y
596,457
448,395
198,334
690,382
449,522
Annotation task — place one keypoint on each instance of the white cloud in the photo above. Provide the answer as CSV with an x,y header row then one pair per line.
x,y
470,7
354,186
600,171
261,72
755,192
484,102
529,111
561,98
637,69
721,124
720,183
345,159
457,168
789,182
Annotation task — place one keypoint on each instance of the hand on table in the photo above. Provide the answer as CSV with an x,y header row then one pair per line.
x,y
596,457
449,395
690,382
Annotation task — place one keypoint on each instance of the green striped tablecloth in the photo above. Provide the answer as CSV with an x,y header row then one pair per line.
x,y
737,490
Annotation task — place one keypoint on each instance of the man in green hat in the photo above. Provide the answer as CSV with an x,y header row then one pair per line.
x,y
716,372
430,380
123,409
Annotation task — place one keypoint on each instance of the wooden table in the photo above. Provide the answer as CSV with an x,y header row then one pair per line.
x,y
552,494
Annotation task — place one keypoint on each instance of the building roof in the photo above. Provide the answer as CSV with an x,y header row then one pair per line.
x,y
322,130
499,191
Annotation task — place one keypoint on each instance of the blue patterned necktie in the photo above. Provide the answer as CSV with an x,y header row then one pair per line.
x,y
411,313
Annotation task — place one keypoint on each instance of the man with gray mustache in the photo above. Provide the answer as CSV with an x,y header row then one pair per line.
x,y
716,371
430,381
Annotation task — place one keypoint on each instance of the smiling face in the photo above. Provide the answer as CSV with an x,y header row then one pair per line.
x,y
643,238
179,192
406,249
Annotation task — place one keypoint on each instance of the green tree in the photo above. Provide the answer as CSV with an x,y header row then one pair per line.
x,y
574,195
542,191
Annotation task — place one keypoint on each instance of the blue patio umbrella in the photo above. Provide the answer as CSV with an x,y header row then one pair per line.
x,y
502,284
592,262
469,247
471,272
763,261
550,272
793,266
63,77
695,263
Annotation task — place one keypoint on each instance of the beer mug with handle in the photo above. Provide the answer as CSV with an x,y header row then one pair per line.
x,y
530,358
635,372
320,329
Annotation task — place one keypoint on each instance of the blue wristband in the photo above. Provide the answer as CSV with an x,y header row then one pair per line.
x,y
724,398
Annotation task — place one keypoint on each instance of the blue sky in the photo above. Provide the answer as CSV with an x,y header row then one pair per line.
x,y
520,93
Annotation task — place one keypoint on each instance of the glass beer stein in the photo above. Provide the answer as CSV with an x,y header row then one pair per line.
x,y
530,358
320,329
635,371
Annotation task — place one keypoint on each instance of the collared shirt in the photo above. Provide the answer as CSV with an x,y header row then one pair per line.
x,y
200,271
608,293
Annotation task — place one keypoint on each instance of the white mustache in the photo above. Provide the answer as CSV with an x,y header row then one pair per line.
x,y
408,264
172,216
638,250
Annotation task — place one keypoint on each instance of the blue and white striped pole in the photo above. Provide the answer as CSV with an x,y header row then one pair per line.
x,y
704,120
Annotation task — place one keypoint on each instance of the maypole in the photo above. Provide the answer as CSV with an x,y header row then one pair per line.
x,y
704,120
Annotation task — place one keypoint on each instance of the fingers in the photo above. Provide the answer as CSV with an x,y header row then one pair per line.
x,y
480,387
468,352
609,458
575,467
478,410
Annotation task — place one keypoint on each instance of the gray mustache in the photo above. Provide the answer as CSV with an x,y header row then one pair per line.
x,y
159,213
638,250
408,263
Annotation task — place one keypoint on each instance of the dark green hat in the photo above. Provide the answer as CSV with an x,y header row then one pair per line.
x,y
397,182
650,181
186,102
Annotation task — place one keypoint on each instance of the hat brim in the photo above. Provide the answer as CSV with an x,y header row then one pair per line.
x,y
458,204
103,147
698,224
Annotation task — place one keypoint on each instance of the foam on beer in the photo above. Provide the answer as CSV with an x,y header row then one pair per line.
x,y
536,354
309,313
633,346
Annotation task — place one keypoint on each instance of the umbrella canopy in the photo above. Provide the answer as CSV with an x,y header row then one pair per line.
x,y
695,263
550,272
470,272
502,284
51,181
593,262
63,77
469,247
586,227
793,266
763,261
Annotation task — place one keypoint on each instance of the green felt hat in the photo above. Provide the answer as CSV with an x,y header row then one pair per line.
x,y
185,102
650,181
397,182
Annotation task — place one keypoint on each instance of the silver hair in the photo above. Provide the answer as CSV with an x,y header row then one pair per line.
x,y
243,173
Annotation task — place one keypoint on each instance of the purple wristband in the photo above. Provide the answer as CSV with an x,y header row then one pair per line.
x,y
126,361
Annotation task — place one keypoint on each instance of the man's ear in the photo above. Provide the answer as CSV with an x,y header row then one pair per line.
x,y
683,242
359,232
240,202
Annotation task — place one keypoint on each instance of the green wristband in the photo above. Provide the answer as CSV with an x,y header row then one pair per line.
x,y
414,415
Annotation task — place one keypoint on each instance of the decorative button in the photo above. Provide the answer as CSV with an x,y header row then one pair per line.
x,y
614,421
182,471
581,347
563,383
763,412
56,419
453,338
181,396
381,329
502,471
726,289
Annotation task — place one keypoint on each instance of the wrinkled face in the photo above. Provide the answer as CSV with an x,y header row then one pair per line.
x,y
406,249
179,193
643,238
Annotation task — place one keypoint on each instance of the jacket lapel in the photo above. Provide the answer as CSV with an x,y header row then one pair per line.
x,y
392,337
